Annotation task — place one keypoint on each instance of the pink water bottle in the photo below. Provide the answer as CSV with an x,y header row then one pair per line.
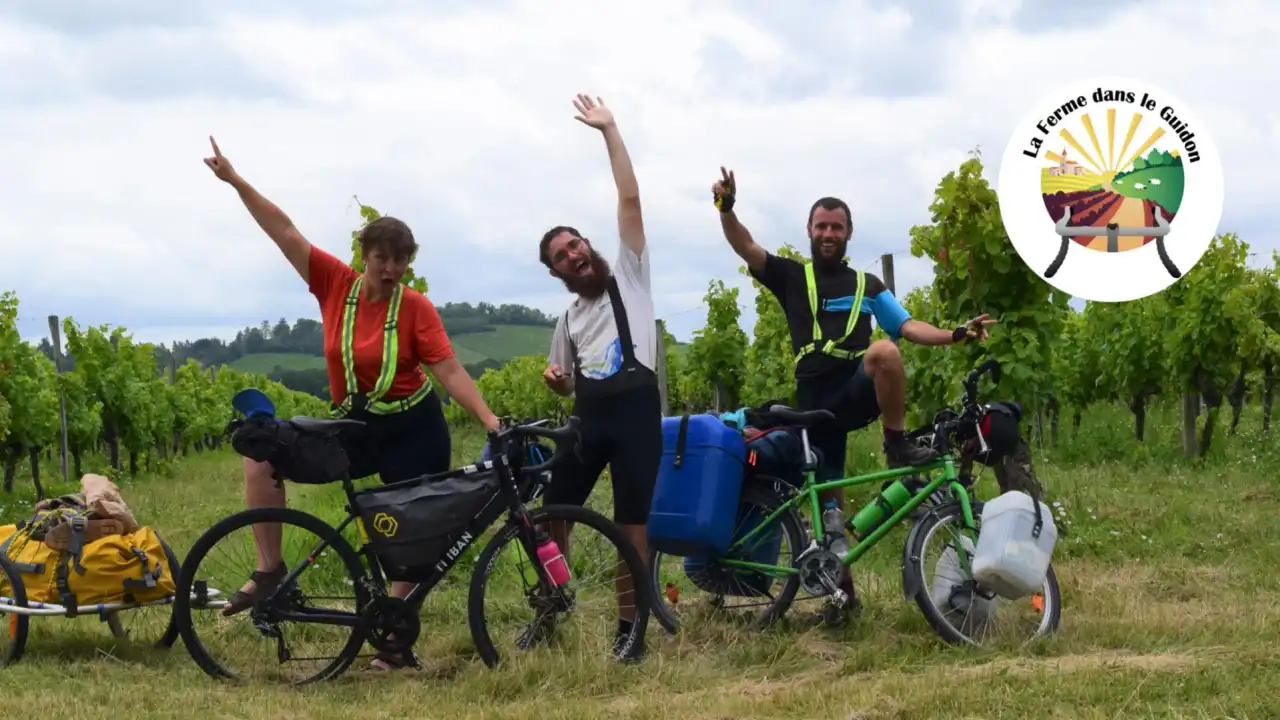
x,y
553,560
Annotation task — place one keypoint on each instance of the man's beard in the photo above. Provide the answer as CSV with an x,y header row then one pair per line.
x,y
826,264
592,286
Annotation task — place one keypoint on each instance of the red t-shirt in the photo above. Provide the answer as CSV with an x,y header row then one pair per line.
x,y
422,337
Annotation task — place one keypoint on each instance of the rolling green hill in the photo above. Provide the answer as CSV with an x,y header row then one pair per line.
x,y
500,343
264,363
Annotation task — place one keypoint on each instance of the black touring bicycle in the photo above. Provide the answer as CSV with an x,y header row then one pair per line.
x,y
413,531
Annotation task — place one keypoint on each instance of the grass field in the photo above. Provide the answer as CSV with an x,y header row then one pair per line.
x,y
1167,567
264,363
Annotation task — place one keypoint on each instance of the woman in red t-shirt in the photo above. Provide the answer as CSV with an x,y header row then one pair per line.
x,y
397,446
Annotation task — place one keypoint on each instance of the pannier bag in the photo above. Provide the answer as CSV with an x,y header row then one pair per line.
x,y
113,567
699,482
302,456
775,452
1015,545
410,525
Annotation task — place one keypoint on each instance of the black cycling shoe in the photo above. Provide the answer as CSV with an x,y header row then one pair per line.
x,y
901,453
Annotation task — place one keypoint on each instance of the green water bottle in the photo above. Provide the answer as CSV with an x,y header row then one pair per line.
x,y
881,508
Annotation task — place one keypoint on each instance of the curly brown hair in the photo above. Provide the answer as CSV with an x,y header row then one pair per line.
x,y
391,235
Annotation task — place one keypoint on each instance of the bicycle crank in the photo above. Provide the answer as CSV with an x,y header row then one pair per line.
x,y
820,572
391,624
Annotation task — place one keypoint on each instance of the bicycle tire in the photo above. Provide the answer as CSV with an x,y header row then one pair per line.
x,y
510,531
913,575
21,624
284,516
756,491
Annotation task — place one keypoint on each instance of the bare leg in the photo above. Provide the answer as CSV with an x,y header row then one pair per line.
x,y
260,491
624,584
883,364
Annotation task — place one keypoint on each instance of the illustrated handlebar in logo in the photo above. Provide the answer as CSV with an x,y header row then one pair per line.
x,y
1113,232
385,525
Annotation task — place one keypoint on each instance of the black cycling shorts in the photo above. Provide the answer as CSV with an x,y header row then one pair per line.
x,y
402,445
625,433
852,398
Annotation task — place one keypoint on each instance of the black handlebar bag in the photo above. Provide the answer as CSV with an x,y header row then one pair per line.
x,y
1000,429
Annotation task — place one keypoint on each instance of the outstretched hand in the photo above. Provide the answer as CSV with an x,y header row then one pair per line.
x,y
593,113
976,329
725,190
220,166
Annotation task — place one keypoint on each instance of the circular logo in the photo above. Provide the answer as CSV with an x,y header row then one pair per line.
x,y
1111,189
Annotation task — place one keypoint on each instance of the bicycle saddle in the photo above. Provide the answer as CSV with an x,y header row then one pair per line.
x,y
798,418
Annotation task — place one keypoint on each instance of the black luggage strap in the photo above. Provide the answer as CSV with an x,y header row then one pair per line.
x,y
681,438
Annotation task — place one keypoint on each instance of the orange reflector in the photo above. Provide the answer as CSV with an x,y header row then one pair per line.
x,y
13,626
1037,602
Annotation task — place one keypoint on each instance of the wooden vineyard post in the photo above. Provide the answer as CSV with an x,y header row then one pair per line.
x,y
1190,413
661,362
55,337
886,272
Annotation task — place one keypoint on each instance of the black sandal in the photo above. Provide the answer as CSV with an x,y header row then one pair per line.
x,y
264,582
395,661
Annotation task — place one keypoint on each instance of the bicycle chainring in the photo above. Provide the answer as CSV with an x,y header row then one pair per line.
x,y
391,624
814,565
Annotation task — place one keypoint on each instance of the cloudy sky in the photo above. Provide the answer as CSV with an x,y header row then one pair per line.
x,y
457,118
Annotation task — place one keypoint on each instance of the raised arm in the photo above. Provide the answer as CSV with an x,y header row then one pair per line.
x,y
269,217
724,191
593,113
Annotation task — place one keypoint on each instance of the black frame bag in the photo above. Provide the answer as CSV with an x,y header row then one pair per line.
x,y
412,523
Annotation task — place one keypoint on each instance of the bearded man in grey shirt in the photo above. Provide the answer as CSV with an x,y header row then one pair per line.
x,y
604,354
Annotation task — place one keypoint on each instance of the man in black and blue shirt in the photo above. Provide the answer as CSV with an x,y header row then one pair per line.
x,y
829,307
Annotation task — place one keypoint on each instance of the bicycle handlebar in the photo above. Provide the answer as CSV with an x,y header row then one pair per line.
x,y
565,438
971,380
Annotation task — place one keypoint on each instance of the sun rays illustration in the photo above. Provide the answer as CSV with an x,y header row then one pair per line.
x,y
1108,200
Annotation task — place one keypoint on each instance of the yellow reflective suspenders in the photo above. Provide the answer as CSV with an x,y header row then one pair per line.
x,y
390,349
829,347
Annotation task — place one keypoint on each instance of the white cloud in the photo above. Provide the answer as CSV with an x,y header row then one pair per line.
x,y
461,123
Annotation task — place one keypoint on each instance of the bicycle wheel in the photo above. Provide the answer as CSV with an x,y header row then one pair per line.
x,y
726,584
949,595
15,592
261,624
520,583
133,625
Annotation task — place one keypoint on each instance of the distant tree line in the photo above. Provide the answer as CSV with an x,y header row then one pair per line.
x,y
306,337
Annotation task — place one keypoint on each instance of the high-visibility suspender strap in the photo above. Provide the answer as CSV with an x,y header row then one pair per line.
x,y
829,347
390,351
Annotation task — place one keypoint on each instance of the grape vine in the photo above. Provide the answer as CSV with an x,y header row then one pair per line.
x,y
117,398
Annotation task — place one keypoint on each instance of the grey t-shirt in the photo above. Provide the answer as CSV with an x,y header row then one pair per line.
x,y
592,327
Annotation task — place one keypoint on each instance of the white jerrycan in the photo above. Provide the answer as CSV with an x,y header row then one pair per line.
x,y
1015,545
